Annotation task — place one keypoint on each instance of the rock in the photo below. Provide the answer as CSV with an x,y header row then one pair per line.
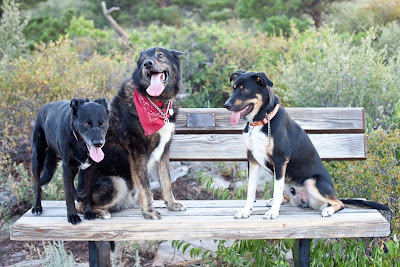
x,y
177,170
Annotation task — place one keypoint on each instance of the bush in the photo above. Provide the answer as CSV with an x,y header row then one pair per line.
x,y
324,69
47,28
53,72
360,15
12,39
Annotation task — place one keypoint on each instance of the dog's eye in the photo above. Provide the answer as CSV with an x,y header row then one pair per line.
x,y
160,55
102,124
293,191
245,91
87,124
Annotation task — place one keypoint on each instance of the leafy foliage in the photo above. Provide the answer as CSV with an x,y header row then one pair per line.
x,y
47,28
12,39
55,255
326,70
356,252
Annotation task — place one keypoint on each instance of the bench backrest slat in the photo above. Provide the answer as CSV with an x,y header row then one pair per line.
x,y
337,134
312,120
231,147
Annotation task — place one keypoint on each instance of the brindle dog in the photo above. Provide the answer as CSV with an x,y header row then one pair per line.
x,y
139,137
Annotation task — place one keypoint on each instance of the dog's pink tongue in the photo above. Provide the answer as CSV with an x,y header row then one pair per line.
x,y
96,154
156,86
235,118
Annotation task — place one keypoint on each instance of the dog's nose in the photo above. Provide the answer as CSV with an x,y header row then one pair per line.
x,y
148,63
227,105
97,143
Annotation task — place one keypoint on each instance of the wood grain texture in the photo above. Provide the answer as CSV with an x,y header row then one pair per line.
x,y
312,120
231,147
203,220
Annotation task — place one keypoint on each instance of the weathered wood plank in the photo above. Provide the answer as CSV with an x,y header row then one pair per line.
x,y
312,120
174,225
231,147
196,208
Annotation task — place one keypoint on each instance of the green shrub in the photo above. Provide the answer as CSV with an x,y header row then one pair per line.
x,y
324,69
12,39
55,255
356,252
47,28
53,72
360,15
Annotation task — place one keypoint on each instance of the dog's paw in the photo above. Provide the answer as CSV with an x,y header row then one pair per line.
x,y
37,210
102,214
151,215
271,214
328,211
243,213
89,215
269,202
176,206
74,219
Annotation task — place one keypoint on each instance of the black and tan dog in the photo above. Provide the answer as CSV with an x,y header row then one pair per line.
x,y
74,131
275,142
142,123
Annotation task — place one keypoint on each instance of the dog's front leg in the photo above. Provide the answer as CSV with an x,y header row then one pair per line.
x,y
140,179
69,175
279,183
254,173
85,193
166,186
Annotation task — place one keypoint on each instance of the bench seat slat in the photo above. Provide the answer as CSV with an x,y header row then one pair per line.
x,y
205,224
231,147
312,120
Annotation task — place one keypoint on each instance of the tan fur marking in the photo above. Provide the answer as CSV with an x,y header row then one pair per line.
x,y
286,198
317,201
234,86
335,203
238,102
138,184
241,87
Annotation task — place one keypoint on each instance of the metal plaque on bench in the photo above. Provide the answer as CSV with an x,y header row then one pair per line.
x,y
198,120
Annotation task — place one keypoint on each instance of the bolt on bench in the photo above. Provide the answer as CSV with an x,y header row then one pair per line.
x,y
206,135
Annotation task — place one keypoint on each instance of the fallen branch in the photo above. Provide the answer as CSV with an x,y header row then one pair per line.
x,y
113,23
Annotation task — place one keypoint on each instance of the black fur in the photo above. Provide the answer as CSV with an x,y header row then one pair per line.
x,y
66,130
128,149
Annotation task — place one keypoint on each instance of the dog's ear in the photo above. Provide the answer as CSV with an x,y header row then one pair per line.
x,y
234,75
263,80
102,101
177,53
76,103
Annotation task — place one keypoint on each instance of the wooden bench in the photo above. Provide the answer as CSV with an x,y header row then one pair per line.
x,y
206,135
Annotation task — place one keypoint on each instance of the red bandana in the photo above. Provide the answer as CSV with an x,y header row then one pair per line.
x,y
149,116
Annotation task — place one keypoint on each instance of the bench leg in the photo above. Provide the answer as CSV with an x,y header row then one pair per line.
x,y
99,254
301,255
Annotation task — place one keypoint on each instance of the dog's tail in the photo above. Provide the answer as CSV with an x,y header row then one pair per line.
x,y
50,166
359,203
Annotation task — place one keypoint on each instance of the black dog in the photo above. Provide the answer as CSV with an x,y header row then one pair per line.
x,y
276,142
142,123
75,132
